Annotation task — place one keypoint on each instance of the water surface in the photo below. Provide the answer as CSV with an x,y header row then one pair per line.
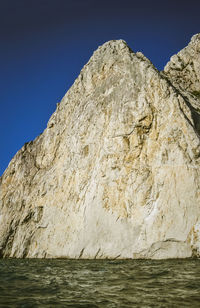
x,y
99,283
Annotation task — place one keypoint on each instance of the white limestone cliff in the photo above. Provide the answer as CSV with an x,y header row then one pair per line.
x,y
116,173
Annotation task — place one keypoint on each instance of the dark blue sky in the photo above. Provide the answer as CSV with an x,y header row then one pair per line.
x,y
45,43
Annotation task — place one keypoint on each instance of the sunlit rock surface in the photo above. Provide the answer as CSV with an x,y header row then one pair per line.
x,y
183,69
116,173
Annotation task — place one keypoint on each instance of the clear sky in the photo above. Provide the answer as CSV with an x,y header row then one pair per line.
x,y
45,43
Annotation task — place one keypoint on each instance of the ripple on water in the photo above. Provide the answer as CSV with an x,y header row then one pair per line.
x,y
99,283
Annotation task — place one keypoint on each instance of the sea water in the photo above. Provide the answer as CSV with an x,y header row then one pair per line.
x,y
99,283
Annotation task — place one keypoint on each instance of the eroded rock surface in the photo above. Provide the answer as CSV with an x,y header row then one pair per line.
x,y
116,172
183,70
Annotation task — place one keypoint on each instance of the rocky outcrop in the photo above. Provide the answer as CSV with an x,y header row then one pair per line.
x,y
116,172
183,70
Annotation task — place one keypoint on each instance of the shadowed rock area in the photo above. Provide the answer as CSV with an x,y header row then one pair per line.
x,y
116,173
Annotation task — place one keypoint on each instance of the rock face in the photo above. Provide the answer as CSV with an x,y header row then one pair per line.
x,y
184,68
116,173
183,71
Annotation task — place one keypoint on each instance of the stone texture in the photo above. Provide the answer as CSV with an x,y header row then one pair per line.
x,y
183,70
116,172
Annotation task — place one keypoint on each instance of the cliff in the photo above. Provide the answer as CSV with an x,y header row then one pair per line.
x,y
116,173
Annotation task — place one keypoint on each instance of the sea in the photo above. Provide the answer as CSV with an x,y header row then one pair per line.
x,y
99,283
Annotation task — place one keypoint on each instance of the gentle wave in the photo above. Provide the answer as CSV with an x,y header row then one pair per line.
x,y
99,283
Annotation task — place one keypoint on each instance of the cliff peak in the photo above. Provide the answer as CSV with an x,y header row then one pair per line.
x,y
116,174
